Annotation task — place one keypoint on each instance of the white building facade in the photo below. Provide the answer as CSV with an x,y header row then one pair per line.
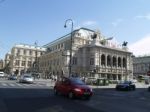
x,y
141,66
23,57
91,57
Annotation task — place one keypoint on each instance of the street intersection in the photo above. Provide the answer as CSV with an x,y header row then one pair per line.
x,y
39,97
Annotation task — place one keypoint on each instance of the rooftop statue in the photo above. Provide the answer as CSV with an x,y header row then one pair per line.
x,y
124,43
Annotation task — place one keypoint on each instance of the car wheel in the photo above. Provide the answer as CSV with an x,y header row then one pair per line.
x,y
133,88
117,88
55,91
148,88
128,88
71,95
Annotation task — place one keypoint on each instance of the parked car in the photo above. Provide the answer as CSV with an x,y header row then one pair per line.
x,y
134,80
90,80
2,74
72,87
149,88
125,85
12,77
26,79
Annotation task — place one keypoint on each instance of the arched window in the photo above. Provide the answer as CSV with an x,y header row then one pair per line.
x,y
124,62
119,62
114,61
103,60
108,60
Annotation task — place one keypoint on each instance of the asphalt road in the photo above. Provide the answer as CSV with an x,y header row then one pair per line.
x,y
36,98
26,99
110,100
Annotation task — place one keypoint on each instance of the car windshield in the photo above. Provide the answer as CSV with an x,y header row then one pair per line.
x,y
125,82
77,81
27,77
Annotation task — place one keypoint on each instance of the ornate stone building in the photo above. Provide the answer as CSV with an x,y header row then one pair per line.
x,y
1,64
7,63
93,55
23,58
141,66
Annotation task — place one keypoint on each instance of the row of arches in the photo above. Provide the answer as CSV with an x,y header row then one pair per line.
x,y
113,61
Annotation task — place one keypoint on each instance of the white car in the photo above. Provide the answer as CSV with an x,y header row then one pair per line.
x,y
134,80
26,79
2,74
90,80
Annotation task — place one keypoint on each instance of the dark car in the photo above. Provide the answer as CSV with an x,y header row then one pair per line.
x,y
126,85
12,77
149,88
72,87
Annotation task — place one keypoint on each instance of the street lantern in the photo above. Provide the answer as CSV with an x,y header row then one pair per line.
x,y
70,62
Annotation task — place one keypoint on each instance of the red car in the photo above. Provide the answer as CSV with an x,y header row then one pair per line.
x,y
73,87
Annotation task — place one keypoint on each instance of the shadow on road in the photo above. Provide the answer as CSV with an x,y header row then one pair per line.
x,y
39,100
112,92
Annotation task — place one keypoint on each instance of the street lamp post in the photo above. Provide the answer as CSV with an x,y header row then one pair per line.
x,y
36,60
70,61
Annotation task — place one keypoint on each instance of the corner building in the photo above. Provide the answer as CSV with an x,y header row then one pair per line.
x,y
97,56
23,57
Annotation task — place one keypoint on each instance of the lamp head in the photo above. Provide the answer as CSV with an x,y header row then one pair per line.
x,y
65,26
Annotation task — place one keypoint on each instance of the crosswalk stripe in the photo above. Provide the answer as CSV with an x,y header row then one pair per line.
x,y
40,85
24,85
18,84
4,84
12,85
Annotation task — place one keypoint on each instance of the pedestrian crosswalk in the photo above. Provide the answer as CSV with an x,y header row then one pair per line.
x,y
22,85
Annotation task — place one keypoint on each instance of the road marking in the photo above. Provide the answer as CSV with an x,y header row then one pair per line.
x,y
26,85
4,84
18,84
39,85
11,84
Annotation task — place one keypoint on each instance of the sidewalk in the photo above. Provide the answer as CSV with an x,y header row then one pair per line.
x,y
138,85
50,82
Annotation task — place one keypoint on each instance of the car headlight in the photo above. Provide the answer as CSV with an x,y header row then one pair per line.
x,y
77,89
91,89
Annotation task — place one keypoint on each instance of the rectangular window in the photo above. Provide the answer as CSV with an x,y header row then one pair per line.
x,y
17,63
91,61
58,46
29,63
24,52
62,45
79,34
23,63
18,52
74,61
30,52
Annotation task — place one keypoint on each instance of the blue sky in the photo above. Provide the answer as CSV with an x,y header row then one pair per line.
x,y
27,21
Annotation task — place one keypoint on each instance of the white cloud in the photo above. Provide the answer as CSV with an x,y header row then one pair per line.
x,y
147,16
117,22
141,47
89,23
